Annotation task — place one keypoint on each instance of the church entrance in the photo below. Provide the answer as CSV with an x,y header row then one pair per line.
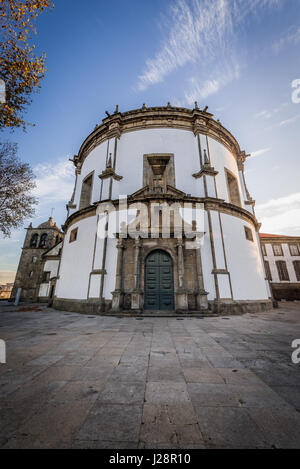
x,y
159,283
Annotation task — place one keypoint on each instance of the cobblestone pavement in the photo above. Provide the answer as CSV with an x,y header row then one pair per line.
x,y
84,381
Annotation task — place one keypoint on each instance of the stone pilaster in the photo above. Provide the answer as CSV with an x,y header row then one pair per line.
x,y
182,299
202,302
137,294
117,300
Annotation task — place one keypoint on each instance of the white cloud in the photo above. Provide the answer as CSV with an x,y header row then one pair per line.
x,y
260,152
280,215
291,37
55,181
200,31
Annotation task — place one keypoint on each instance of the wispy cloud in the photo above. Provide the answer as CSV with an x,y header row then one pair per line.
x,y
260,152
291,37
200,31
281,215
267,114
54,181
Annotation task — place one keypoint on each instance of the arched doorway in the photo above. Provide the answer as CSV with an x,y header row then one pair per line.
x,y
159,283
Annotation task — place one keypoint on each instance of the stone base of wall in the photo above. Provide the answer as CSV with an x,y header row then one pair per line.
x,y
215,308
81,306
286,291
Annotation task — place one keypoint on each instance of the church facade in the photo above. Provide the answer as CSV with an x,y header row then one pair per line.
x,y
161,219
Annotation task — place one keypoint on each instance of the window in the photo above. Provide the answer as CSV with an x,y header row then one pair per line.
x,y
282,271
43,240
233,188
268,271
263,248
86,191
34,240
30,274
34,259
248,233
46,277
294,250
277,249
297,269
73,235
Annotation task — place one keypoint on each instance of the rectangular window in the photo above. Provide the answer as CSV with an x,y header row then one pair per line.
x,y
34,259
294,250
263,248
73,235
46,277
297,269
282,271
268,271
248,233
277,249
233,188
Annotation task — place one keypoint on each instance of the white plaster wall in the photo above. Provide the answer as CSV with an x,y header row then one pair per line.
x,y
52,267
133,145
110,267
44,289
222,158
76,261
243,260
286,257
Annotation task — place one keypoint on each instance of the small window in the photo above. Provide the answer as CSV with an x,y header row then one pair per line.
x,y
277,250
43,240
263,248
248,233
46,277
73,235
282,271
34,259
297,269
34,240
294,250
268,271
86,192
233,188
31,274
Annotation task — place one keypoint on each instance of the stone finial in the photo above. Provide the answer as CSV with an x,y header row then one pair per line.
x,y
108,164
144,107
107,113
196,105
117,109
205,109
206,160
169,104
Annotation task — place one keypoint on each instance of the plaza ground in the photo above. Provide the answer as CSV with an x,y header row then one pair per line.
x,y
84,381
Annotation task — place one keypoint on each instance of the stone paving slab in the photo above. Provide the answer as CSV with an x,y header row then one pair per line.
x,y
77,381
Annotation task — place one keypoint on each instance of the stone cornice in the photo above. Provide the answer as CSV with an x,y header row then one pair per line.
x,y
280,240
194,120
209,204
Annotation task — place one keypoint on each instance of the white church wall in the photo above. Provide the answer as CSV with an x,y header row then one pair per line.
x,y
110,267
133,145
222,158
44,290
243,260
52,267
76,261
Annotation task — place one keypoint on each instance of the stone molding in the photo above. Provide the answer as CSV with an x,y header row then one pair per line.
x,y
194,120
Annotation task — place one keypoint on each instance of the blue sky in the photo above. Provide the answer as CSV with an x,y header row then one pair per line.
x,y
239,57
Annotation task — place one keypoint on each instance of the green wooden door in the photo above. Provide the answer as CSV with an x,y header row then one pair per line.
x,y
159,285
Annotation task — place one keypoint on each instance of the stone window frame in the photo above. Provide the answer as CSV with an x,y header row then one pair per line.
x,y
297,249
43,240
268,271
264,249
296,265
281,251
230,174
248,234
35,237
88,176
30,275
73,235
46,276
282,270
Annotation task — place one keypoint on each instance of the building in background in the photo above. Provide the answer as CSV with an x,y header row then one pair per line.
x,y
282,263
30,273
5,291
